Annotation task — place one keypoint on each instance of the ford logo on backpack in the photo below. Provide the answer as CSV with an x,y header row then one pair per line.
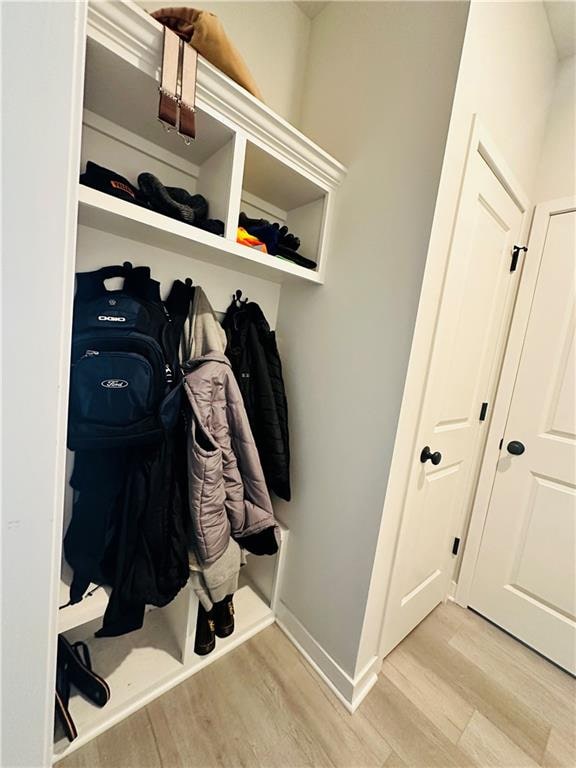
x,y
114,383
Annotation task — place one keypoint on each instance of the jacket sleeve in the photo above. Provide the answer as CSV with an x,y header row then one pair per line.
x,y
255,527
278,474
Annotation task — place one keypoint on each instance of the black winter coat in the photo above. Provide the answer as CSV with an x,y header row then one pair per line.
x,y
255,361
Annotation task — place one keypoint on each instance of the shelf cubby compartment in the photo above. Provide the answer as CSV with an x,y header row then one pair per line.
x,y
127,95
144,664
275,191
245,156
122,132
137,667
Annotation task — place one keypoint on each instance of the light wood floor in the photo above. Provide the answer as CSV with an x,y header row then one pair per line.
x,y
456,692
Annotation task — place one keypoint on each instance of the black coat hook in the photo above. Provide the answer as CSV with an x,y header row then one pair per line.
x,y
238,300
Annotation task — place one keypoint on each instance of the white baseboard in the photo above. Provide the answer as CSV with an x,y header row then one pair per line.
x,y
350,690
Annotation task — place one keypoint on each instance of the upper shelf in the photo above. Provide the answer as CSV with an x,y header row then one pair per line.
x,y
124,29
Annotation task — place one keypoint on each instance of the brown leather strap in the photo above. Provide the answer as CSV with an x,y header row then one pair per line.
x,y
188,97
168,106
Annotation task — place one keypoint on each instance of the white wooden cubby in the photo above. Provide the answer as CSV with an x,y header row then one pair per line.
x,y
144,664
246,158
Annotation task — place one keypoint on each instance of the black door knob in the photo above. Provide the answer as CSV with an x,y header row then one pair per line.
x,y
426,455
515,447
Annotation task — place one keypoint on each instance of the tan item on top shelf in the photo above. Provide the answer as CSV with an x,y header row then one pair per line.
x,y
204,31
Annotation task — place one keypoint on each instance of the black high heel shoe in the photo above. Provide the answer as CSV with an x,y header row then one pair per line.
x,y
76,658
62,696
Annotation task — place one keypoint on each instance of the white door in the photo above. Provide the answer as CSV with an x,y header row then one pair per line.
x,y
525,578
470,333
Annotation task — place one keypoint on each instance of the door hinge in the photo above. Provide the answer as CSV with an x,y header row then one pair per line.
x,y
516,255
483,411
455,546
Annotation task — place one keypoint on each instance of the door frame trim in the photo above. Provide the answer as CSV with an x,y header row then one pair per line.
x,y
440,244
503,400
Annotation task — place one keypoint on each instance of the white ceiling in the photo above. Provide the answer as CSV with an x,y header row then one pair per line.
x,y
310,7
562,20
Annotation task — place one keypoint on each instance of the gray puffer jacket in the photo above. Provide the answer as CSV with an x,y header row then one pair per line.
x,y
227,490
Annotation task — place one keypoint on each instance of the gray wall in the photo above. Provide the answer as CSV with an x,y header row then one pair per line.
x,y
378,94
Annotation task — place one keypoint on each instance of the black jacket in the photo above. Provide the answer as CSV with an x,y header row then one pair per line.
x,y
255,361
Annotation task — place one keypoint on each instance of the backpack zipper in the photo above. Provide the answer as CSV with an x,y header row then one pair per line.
x,y
90,353
168,373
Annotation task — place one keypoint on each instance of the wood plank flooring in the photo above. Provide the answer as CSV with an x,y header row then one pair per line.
x,y
456,692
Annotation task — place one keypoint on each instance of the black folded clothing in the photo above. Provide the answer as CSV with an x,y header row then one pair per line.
x,y
111,183
291,255
173,201
179,204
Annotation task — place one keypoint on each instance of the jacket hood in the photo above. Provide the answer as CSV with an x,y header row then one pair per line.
x,y
203,333
240,317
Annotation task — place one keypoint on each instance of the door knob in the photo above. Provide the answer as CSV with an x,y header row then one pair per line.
x,y
515,447
426,455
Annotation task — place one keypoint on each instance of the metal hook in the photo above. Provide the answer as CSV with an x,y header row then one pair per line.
x,y
167,128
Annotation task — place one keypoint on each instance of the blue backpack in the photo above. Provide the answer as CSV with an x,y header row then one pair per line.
x,y
125,376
